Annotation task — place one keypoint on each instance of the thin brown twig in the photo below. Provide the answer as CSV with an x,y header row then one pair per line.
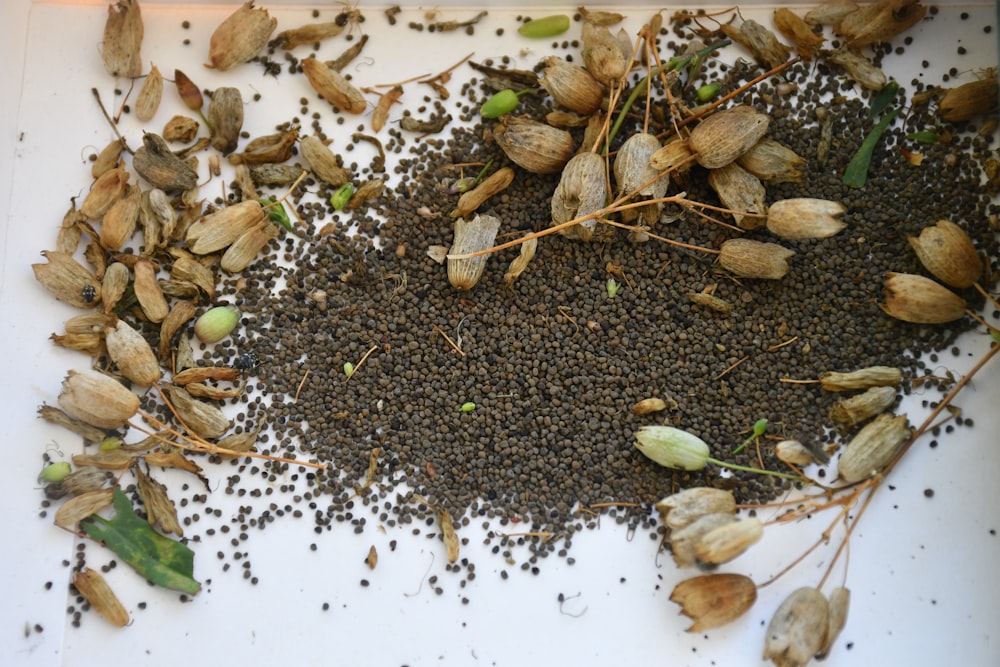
x,y
302,383
450,341
358,365
728,370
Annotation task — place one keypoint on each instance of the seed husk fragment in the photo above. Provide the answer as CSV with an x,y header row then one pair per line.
x,y
830,12
754,259
772,162
711,301
760,41
366,191
674,155
240,37
685,507
448,534
969,100
713,600
805,218
581,191
67,280
863,378
160,167
920,300
880,21
54,415
122,44
471,236
722,544
520,263
472,199
225,117
187,268
180,129
856,409
872,447
148,292
220,229
793,452
80,507
107,159
107,189
796,30
537,147
726,135
740,192
333,87
113,285
205,420
98,593
947,252
649,405
798,629
148,100
180,313
134,357
239,442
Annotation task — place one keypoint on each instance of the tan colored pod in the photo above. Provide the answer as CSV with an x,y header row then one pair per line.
x,y
920,300
872,447
754,259
240,37
102,599
148,292
675,155
726,135
246,248
97,399
471,236
872,376
772,162
684,541
859,68
725,543
741,192
333,87
130,351
571,86
68,280
537,147
218,230
856,409
123,31
805,218
685,507
582,190
969,100
713,600
471,200
947,252
323,162
207,421
633,171
880,21
798,629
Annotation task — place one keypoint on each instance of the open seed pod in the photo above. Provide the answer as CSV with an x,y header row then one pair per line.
x,y
753,259
632,166
537,147
726,135
471,236
240,37
123,39
713,600
872,447
804,218
920,300
880,21
859,68
947,252
97,399
571,86
739,190
217,230
772,162
797,631
581,191
722,544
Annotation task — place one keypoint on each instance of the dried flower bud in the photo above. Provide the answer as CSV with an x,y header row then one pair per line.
x,y
726,135
240,37
68,280
123,39
920,300
741,192
648,405
148,100
333,87
798,629
534,146
947,252
672,448
581,191
805,218
571,86
793,452
225,115
713,600
132,354
772,162
471,236
216,323
684,507
97,399
854,410
872,447
684,541
859,68
753,259
873,376
725,543
880,21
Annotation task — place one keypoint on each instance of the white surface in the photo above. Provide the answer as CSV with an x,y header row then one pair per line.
x,y
923,571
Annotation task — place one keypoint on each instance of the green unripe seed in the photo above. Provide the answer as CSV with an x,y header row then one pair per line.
x,y
499,104
467,407
708,91
110,443
348,369
548,26
216,323
55,472
340,198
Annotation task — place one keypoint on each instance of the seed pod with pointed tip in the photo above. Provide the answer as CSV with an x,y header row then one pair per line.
x,y
97,399
240,37
106,190
856,409
684,541
122,45
471,236
582,190
873,376
741,192
148,99
798,629
323,162
725,543
753,259
68,280
772,162
157,164
713,600
726,135
796,30
571,86
218,230
204,419
333,87
148,291
969,100
805,218
947,252
118,224
648,405
246,248
920,300
839,600
225,115
684,507
132,354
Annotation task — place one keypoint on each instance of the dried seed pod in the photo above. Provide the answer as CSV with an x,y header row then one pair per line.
x,y
600,18
741,191
366,191
107,159
605,56
448,533
722,544
323,162
805,218
830,12
97,399
148,100
854,410
308,34
713,302
186,268
148,292
685,507
920,300
582,191
969,100
472,199
180,129
205,420
112,459
277,174
859,68
54,415
520,263
873,376
726,135
202,373
102,599
571,86
333,87
713,600
161,215
132,354
240,37
225,116
275,147
161,168
772,162
798,628
649,405
880,21
88,343
633,169
68,280
838,601
872,447
675,155
239,442
113,285
107,189
760,41
534,146
246,248
471,236
797,31
159,507
78,482
566,119
181,312
118,224
78,508
793,452
753,259
220,229
947,252
684,541
122,45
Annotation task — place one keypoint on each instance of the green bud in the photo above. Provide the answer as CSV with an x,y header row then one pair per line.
x,y
467,407
110,443
348,369
276,212
924,137
548,26
612,287
499,104
55,472
216,323
708,91
672,448
759,427
340,198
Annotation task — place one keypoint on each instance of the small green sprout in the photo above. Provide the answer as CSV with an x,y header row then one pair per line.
x,y
276,212
340,198
348,369
759,429
612,286
467,407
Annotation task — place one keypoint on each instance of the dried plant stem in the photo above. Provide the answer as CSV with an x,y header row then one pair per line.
x,y
450,341
664,239
114,127
302,383
987,296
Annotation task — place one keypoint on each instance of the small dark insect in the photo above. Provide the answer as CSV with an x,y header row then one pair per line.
x,y
247,362
89,293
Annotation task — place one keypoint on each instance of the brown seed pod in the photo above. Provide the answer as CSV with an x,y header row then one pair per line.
x,y
726,135
796,30
323,162
649,405
920,300
713,600
448,533
240,37
798,628
54,415
830,12
97,399
218,230
571,86
68,280
368,190
772,162
88,343
760,41
633,169
969,100
118,224
582,190
722,544
600,18
160,167
78,508
880,21
674,155
685,507
873,376
270,148
278,174
534,146
225,115
187,268
605,56
107,189
471,236
805,218
684,541
239,442
80,481
159,507
947,252
793,452
333,87
148,292
148,100
121,49
872,447
246,248
753,259
107,159
132,354
472,199
713,302
858,68
854,410
741,191
102,599
180,129
113,285
181,313
839,601
205,420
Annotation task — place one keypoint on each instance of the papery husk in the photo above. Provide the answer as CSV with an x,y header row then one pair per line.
x,y
180,129
649,405
180,313
54,415
148,99
202,373
772,162
179,289
187,268
89,323
604,55
113,460
218,230
122,46
839,600
726,135
448,534
246,248
948,253
600,18
723,544
270,148
240,37
368,190
97,399
713,600
685,507
148,292
80,481
880,21
88,343
969,100
472,199
632,167
753,259
793,452
863,378
119,223
741,191
859,68
872,447
566,119
471,236
282,174
66,279
856,409
105,191
830,12
920,300
582,190
70,230
674,155
521,262
794,28
760,41
162,215
184,356
130,351
311,33
571,86
798,629
160,167
78,508
205,420
225,115
805,218
113,285
107,159
322,161
684,541
239,442
102,599
159,508
333,87
534,146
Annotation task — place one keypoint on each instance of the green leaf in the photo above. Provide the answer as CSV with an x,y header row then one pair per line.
x,y
884,98
924,137
857,169
160,559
